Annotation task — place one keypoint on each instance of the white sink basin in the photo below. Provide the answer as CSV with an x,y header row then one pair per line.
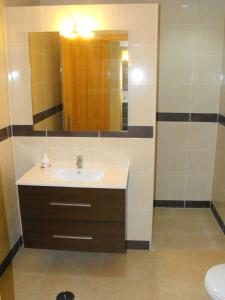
x,y
65,174
72,174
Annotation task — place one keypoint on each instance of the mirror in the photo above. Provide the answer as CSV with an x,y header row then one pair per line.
x,y
79,84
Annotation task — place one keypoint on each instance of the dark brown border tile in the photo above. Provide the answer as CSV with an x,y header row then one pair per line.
x,y
138,245
217,217
186,117
9,131
173,117
47,113
9,257
221,120
197,204
169,203
182,203
72,134
133,132
5,133
26,130
204,117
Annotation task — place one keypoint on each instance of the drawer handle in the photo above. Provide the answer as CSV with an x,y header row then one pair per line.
x,y
70,204
72,237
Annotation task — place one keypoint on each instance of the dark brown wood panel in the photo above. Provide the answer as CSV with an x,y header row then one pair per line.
x,y
72,203
80,236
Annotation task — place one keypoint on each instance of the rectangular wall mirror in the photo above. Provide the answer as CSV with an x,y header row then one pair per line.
x,y
79,84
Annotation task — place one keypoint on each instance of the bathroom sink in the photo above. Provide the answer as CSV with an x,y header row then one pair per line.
x,y
73,174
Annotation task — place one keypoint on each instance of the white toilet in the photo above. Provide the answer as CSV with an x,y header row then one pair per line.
x,y
215,282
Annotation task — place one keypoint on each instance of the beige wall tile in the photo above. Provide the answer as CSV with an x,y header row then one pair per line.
x,y
207,69
200,162
24,17
66,149
221,139
174,98
4,111
222,99
170,187
14,226
171,162
172,135
202,136
208,39
176,69
27,152
218,194
55,122
176,39
185,151
113,151
205,98
8,175
6,151
141,156
199,187
141,99
140,191
139,224
4,239
142,65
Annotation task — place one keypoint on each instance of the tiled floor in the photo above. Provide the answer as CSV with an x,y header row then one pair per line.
x,y
186,243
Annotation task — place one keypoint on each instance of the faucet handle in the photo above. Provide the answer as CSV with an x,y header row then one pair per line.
x,y
79,162
80,157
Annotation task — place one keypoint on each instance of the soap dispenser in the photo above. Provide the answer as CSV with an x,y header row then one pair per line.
x,y
45,163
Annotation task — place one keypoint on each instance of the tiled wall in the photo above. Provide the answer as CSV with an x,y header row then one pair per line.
x,y
140,152
218,196
191,43
6,152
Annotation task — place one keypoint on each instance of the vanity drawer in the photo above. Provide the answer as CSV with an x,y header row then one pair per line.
x,y
72,203
79,236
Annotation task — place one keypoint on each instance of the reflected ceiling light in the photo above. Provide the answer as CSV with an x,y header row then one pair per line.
x,y
137,75
13,76
125,55
78,27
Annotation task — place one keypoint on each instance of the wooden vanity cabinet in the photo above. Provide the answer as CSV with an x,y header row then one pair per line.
x,y
82,219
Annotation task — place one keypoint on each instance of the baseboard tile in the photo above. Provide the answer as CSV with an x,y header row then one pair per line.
x,y
138,245
197,204
182,204
218,218
169,203
9,257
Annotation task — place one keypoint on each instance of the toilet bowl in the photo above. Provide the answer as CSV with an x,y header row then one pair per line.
x,y
215,282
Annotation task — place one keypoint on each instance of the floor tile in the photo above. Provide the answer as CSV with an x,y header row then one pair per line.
x,y
186,243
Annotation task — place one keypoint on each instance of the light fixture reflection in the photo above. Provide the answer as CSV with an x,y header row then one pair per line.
x,y
137,75
78,27
125,55
13,76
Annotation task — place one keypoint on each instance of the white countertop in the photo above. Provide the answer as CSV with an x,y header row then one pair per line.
x,y
115,177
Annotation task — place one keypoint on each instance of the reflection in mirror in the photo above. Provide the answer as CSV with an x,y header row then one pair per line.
x,y
79,84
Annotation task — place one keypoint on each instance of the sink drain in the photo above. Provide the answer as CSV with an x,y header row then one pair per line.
x,y
65,296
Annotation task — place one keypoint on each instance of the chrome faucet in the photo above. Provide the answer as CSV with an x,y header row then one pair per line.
x,y
80,162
